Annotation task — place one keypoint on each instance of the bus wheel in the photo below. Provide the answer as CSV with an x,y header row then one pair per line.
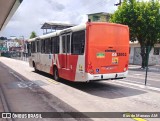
x,y
56,75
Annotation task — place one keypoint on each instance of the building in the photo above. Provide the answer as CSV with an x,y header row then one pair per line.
x,y
135,54
49,27
7,9
101,17
11,44
2,41
2,48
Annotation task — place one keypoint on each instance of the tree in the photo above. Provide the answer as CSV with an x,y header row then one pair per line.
x,y
33,35
143,19
3,38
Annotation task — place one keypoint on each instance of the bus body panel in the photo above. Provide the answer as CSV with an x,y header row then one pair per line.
x,y
107,50
105,56
69,71
80,74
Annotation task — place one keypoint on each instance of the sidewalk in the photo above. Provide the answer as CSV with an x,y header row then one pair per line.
x,y
152,68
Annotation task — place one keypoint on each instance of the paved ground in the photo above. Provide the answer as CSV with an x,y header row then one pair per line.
x,y
137,76
39,92
22,95
1,106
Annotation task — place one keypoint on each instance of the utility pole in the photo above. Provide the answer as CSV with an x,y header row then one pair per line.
x,y
117,4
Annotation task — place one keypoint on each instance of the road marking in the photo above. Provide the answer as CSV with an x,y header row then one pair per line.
x,y
136,119
135,82
52,81
139,119
138,74
137,85
22,85
16,76
142,78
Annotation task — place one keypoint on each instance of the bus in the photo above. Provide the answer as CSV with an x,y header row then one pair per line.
x,y
91,51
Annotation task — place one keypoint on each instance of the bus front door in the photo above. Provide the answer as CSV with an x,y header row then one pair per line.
x,y
66,49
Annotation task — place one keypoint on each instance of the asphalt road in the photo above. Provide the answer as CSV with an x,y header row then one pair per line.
x,y
26,91
22,95
137,76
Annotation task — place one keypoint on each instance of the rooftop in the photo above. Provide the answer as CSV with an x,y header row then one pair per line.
x,y
56,26
103,13
7,9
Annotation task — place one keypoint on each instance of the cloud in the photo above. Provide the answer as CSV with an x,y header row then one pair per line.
x,y
33,13
55,6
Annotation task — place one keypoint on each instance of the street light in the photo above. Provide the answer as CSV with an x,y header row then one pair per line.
x,y
22,43
118,3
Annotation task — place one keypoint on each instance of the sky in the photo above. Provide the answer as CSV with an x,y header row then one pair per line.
x,y
31,14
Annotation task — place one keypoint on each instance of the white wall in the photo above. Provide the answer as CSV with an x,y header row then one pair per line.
x,y
135,57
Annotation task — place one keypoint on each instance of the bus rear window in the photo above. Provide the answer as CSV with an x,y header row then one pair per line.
x,y
78,43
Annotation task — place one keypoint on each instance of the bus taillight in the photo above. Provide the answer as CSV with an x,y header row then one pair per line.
x,y
126,67
90,69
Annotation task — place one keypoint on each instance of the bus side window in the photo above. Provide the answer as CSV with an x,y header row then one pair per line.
x,y
63,44
29,49
42,46
33,47
68,44
48,46
78,43
55,45
38,46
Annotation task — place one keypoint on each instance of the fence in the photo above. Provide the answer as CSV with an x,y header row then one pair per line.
x,y
16,55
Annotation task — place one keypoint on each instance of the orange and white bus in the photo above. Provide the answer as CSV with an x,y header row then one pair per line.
x,y
92,51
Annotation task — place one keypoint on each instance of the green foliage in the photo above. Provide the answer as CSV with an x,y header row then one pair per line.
x,y
3,38
143,19
33,35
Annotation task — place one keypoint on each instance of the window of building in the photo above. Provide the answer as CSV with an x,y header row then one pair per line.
x,y
156,51
78,43
96,18
129,50
107,17
55,45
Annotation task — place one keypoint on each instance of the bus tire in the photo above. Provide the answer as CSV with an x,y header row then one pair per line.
x,y
56,74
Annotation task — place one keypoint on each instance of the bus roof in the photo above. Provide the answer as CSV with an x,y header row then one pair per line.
x,y
73,29
53,34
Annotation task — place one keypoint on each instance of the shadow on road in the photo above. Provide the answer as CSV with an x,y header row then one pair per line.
x,y
100,88
33,98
